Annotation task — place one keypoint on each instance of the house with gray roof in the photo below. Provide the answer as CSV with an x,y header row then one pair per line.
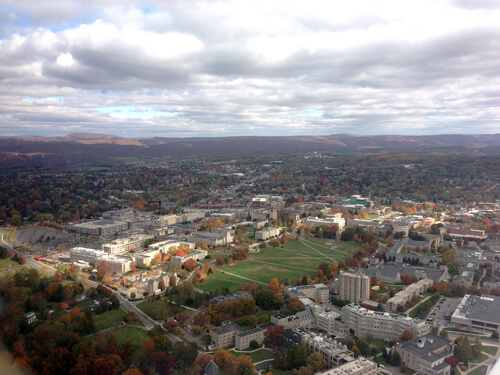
x,y
211,369
426,354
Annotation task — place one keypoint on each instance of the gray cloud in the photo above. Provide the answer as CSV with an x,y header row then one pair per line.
x,y
188,68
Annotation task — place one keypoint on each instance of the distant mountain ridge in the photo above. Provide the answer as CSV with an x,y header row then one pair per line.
x,y
91,147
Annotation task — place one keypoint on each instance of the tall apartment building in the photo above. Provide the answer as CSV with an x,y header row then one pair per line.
x,y
354,287
381,325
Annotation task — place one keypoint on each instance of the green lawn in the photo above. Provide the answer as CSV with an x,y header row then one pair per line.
x,y
481,359
158,310
108,319
9,265
478,370
257,356
294,260
219,280
135,335
279,372
492,350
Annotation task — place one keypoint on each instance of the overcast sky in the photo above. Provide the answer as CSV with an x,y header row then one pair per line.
x,y
222,68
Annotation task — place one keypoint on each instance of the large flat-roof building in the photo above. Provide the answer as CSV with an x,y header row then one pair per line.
x,y
101,227
124,245
360,366
314,292
380,325
354,287
334,352
94,257
426,354
478,313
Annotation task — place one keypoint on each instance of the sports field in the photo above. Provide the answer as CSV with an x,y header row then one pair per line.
x,y
294,260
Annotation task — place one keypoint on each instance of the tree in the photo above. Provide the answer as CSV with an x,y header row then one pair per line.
x,y
274,336
190,264
225,361
316,362
201,362
300,355
103,270
161,285
185,354
406,336
463,349
274,285
444,334
395,358
303,370
381,285
363,346
162,343
245,365
403,368
476,349
240,252
164,363
103,341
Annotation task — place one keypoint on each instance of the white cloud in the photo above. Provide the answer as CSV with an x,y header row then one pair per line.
x,y
250,67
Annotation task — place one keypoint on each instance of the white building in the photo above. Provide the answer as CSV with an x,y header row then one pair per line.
x,y
95,257
354,287
267,233
380,325
101,227
124,245
360,366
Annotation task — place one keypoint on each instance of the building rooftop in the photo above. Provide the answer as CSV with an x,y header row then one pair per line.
x,y
227,327
484,308
425,344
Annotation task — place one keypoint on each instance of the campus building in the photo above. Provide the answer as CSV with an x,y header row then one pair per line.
x,y
95,257
354,287
426,354
478,313
360,366
334,352
407,294
314,292
266,233
101,227
124,245
380,325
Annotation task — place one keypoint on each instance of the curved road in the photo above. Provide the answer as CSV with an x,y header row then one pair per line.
x,y
124,303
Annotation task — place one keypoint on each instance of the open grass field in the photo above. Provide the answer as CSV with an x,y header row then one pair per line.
x,y
492,350
478,371
9,265
219,280
108,319
135,335
257,356
294,260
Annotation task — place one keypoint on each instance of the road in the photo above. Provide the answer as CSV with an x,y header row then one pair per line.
x,y
125,303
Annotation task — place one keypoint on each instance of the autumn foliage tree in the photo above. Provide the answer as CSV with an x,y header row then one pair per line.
x,y
274,336
190,265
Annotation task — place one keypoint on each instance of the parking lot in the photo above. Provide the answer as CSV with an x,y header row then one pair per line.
x,y
43,239
445,307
